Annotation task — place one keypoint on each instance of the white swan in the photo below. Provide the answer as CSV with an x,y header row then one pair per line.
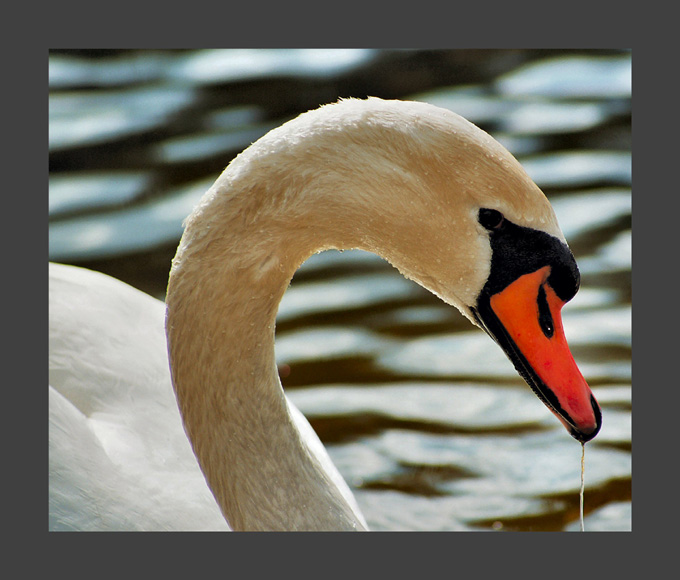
x,y
433,194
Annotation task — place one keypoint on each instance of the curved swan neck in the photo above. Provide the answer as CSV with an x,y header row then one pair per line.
x,y
221,317
221,342
356,176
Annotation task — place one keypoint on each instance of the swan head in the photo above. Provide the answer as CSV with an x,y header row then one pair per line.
x,y
502,259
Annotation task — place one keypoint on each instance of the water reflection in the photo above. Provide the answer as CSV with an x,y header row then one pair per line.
x,y
422,413
571,77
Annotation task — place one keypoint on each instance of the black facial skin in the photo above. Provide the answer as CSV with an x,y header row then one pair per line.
x,y
515,251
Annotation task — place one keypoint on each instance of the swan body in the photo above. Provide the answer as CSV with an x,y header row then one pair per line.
x,y
118,456
437,197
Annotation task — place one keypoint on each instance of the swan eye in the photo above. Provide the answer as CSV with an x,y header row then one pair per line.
x,y
491,219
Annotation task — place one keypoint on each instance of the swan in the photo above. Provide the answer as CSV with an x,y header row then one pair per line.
x,y
440,199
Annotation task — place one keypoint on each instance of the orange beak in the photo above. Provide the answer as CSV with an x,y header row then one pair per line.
x,y
524,318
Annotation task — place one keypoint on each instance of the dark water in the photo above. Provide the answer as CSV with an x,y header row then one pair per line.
x,y
421,412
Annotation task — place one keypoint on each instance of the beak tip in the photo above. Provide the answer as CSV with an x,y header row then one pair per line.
x,y
584,433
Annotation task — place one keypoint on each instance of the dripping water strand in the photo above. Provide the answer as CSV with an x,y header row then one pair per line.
x,y
583,466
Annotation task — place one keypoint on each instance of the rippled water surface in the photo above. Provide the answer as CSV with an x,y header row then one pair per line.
x,y
421,412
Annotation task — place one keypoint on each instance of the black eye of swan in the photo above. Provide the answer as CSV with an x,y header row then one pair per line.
x,y
491,219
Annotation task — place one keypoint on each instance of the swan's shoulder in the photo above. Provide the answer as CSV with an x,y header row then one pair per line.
x,y
119,458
